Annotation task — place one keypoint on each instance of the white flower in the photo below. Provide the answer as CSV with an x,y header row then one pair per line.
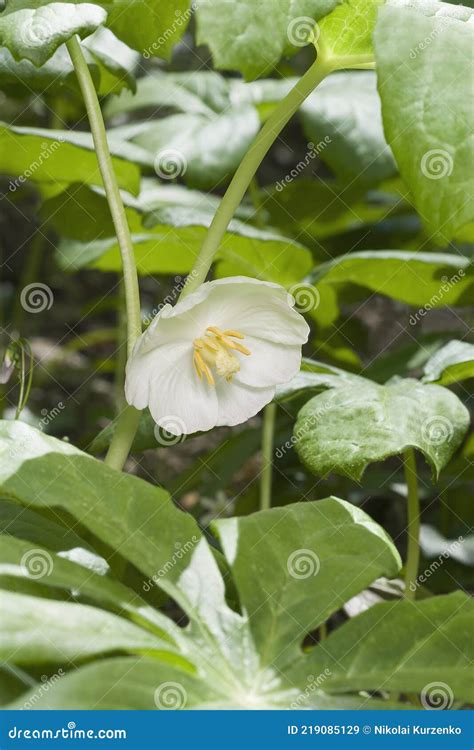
x,y
216,357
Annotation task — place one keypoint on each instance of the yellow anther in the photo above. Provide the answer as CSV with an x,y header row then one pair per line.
x,y
202,368
215,351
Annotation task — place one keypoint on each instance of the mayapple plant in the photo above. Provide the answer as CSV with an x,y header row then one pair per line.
x,y
91,557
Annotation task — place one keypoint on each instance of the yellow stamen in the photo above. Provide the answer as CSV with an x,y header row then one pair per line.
x,y
202,368
215,351
234,334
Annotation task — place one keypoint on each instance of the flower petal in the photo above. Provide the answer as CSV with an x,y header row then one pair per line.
x,y
258,309
238,402
268,364
164,380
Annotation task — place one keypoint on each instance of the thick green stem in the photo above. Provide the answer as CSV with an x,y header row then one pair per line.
x,y
268,431
128,421
248,167
413,527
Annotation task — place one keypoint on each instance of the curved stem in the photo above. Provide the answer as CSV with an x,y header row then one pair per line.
x,y
249,165
413,527
268,430
128,421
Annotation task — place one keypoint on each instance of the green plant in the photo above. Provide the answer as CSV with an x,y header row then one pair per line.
x,y
103,579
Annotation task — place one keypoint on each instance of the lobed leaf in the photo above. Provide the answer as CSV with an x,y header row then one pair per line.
x,y
345,429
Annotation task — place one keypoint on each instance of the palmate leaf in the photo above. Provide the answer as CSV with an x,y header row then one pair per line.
x,y
34,30
286,572
417,44
252,37
345,429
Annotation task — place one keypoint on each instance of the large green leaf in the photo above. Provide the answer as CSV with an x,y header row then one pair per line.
x,y
404,646
252,37
343,119
145,527
30,525
38,630
178,221
425,55
61,156
53,77
426,280
203,150
450,364
34,30
70,570
345,429
299,548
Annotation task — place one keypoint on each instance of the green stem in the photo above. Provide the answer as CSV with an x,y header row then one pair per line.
x,y
413,527
268,431
128,420
256,198
249,165
112,191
